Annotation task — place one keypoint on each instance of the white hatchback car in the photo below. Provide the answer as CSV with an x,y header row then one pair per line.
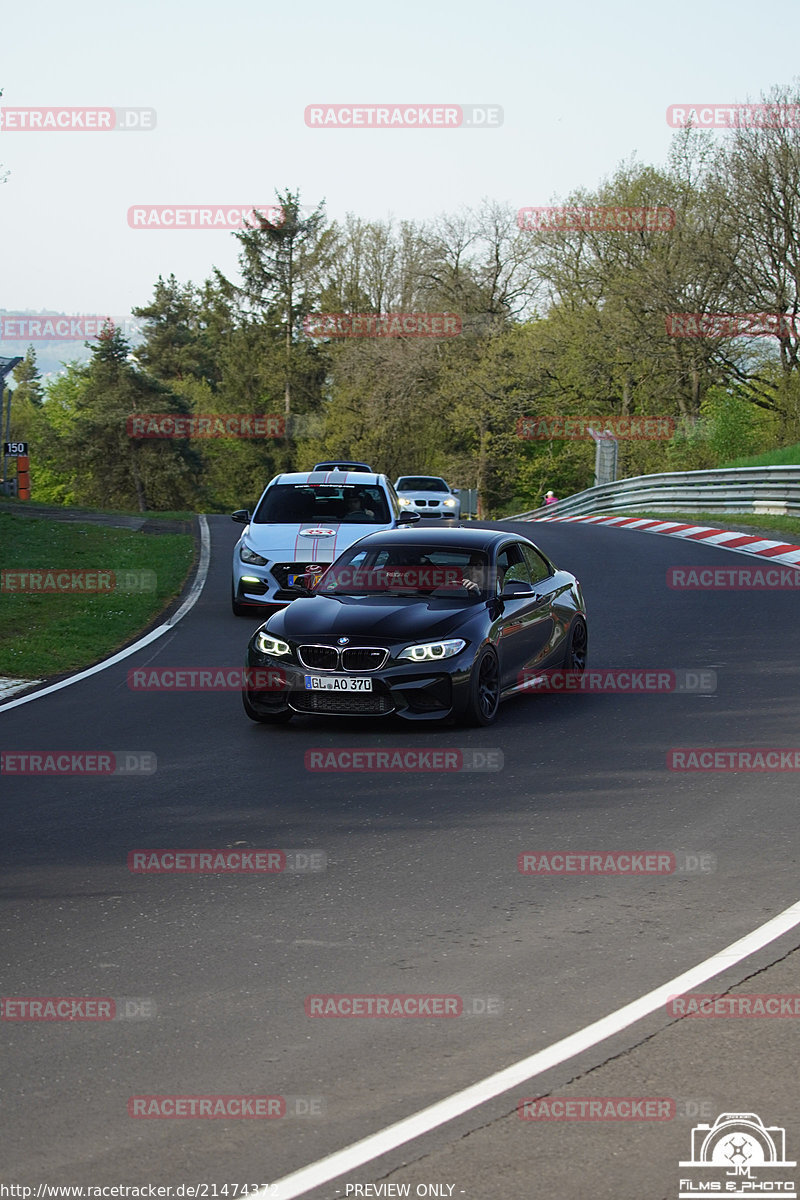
x,y
302,522
429,496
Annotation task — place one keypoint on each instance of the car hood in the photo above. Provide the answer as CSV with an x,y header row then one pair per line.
x,y
427,496
386,618
306,541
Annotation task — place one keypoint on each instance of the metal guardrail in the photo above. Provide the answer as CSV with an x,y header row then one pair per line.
x,y
761,490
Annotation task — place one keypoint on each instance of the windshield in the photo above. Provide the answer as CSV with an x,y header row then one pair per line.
x,y
454,573
323,504
421,483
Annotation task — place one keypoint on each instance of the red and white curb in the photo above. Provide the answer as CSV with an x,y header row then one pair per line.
x,y
726,539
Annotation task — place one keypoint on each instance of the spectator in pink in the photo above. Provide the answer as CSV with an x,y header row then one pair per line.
x,y
550,498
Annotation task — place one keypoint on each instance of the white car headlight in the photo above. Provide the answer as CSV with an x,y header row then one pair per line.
x,y
450,502
249,556
268,644
431,651
404,503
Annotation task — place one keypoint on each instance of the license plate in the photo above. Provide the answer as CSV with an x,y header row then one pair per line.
x,y
308,580
337,683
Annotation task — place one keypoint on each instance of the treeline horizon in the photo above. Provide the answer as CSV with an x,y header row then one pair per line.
x,y
556,323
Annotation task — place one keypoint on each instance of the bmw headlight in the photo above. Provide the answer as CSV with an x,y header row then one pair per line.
x,y
249,556
431,651
450,502
267,644
404,503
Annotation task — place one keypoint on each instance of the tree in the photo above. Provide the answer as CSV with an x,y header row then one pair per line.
x,y
108,466
281,264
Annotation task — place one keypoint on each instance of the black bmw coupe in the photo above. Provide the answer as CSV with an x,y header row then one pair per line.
x,y
425,624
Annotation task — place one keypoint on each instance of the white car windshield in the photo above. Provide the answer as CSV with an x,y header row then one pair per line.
x,y
318,504
421,483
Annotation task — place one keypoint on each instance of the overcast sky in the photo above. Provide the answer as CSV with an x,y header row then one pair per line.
x,y
583,85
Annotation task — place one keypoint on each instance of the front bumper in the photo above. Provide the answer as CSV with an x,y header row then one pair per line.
x,y
398,689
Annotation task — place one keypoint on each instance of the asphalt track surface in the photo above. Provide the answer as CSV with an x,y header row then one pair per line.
x,y
421,895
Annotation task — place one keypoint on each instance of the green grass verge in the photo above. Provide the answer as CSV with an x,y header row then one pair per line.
x,y
785,525
784,456
48,634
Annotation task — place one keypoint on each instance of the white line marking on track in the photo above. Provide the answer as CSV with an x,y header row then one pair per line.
x,y
419,1123
189,603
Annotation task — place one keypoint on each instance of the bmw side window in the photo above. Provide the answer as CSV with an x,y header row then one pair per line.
x,y
539,568
511,566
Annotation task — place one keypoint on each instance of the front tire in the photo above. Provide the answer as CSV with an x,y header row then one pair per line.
x,y
577,647
484,690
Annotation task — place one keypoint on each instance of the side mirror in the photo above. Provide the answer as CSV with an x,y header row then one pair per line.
x,y
516,587
408,518
241,516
